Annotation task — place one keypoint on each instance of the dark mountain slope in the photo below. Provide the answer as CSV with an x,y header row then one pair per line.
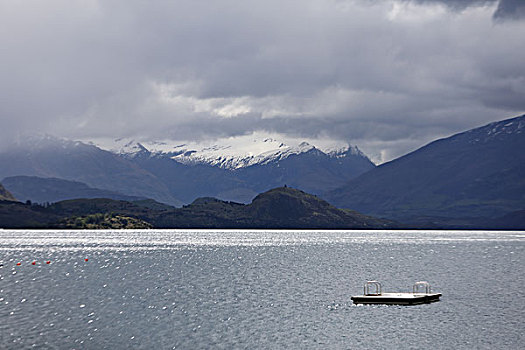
x,y
312,171
478,173
188,182
50,190
510,221
50,157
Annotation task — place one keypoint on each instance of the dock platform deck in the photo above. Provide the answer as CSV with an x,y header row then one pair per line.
x,y
378,297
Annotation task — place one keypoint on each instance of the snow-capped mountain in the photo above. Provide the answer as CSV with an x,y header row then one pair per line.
x,y
230,153
237,168
496,130
219,156
234,169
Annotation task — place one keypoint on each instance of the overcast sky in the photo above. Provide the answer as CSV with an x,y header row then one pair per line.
x,y
387,76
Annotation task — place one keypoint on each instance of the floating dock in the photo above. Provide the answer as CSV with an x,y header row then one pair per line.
x,y
373,294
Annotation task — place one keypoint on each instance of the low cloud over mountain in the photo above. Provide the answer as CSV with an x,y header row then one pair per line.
x,y
388,76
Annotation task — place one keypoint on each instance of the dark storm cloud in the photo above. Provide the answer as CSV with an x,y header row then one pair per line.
x,y
514,9
388,76
506,9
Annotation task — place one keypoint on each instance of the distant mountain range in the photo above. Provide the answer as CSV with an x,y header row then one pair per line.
x,y
170,176
475,175
474,179
50,157
279,208
309,169
51,190
240,152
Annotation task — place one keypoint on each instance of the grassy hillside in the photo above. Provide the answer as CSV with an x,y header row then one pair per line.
x,y
5,195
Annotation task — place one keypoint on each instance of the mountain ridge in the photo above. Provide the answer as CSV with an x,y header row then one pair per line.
x,y
256,151
476,173
137,171
51,157
278,208
50,190
305,167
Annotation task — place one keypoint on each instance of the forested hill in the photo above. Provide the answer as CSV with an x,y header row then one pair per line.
x,y
282,207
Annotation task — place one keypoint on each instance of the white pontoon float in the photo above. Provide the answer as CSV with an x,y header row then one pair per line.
x,y
373,294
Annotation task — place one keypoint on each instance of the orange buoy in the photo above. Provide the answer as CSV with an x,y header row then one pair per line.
x,y
86,259
33,263
48,262
18,264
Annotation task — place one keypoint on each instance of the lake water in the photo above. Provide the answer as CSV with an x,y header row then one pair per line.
x,y
258,289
